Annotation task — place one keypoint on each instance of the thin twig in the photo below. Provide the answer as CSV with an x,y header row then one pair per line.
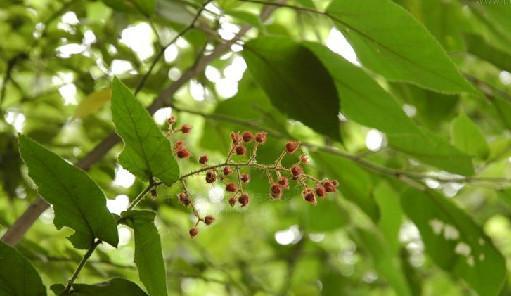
x,y
416,176
86,257
162,49
142,194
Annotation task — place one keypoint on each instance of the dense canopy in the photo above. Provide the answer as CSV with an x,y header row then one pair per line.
x,y
255,147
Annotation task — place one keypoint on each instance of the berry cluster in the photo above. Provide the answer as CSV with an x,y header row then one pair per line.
x,y
241,156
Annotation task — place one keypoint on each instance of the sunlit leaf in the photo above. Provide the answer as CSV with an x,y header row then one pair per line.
x,y
467,136
93,102
455,242
148,252
391,42
147,153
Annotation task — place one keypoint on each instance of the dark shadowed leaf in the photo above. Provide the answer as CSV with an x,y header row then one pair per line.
x,y
365,102
115,286
17,275
77,200
296,82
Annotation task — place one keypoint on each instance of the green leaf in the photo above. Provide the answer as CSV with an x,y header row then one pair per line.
x,y
479,47
148,252
327,215
386,262
391,214
503,109
467,136
365,102
17,276
116,286
77,200
388,40
146,6
356,185
147,153
93,103
455,242
296,82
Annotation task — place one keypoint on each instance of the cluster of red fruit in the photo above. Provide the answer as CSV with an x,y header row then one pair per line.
x,y
230,172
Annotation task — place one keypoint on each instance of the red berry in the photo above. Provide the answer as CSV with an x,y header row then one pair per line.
x,y
245,178
231,187
227,170
309,196
240,150
275,188
186,128
236,138
291,146
260,137
203,159
304,159
184,199
209,219
210,176
183,153
171,120
329,186
243,199
193,231
247,136
283,182
179,145
232,201
276,191
320,190
296,171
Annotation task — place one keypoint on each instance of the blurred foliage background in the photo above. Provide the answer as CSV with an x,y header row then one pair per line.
x,y
57,60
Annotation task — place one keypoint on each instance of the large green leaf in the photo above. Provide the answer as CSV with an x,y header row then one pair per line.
x,y
296,82
77,200
390,41
455,242
147,153
365,102
356,185
391,214
467,136
116,286
17,276
477,46
386,262
148,252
